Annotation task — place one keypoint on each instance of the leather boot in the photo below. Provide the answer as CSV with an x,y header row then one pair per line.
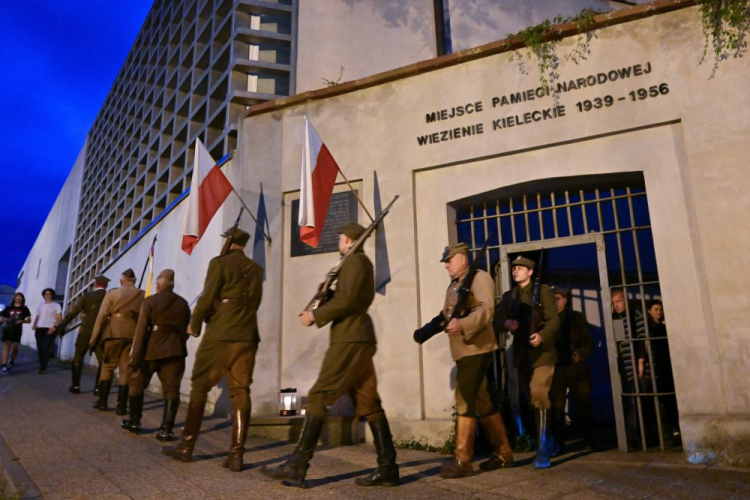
x,y
167,421
387,472
541,460
133,423
502,453
75,386
293,471
190,431
122,400
240,423
104,388
96,382
461,465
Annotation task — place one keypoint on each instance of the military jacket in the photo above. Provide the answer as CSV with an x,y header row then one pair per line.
x,y
232,291
118,314
347,308
478,335
162,328
573,337
87,306
516,304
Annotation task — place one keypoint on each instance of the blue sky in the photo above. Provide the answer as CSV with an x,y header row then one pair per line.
x,y
58,62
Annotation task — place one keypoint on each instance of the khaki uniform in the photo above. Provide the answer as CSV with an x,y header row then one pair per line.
x,y
233,290
115,327
159,345
87,306
536,365
347,366
472,351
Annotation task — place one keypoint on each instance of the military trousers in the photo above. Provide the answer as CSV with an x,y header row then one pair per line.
x,y
117,355
577,378
217,359
82,347
472,397
347,369
538,382
169,370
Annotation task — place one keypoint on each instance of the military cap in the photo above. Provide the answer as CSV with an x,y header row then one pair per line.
x,y
102,279
129,274
452,250
523,261
559,290
352,230
240,237
166,274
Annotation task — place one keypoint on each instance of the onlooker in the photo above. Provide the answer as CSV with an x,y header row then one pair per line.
x,y
662,371
48,316
573,345
13,317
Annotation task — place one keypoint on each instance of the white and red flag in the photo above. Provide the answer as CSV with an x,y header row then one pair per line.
x,y
208,190
319,172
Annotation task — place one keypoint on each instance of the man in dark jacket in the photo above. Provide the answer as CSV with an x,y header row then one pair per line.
x,y
231,297
159,346
87,306
573,346
347,369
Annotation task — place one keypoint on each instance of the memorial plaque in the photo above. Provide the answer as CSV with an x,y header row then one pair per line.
x,y
343,209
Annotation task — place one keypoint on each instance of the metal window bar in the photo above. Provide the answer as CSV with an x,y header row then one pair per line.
x,y
564,209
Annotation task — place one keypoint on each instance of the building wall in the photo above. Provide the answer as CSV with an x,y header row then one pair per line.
x,y
689,143
40,269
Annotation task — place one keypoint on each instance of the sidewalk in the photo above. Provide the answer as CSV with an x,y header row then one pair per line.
x,y
65,449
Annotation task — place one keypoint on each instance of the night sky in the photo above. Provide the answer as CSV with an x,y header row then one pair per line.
x,y
59,60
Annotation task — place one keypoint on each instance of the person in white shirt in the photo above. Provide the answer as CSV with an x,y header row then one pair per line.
x,y
48,316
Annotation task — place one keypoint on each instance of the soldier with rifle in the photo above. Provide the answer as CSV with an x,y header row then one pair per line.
x,y
229,302
467,319
115,328
87,306
159,347
529,312
347,367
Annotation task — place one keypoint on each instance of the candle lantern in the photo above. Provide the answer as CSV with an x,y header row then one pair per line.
x,y
288,402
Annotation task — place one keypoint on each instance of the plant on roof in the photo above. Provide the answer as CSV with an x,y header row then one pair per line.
x,y
725,27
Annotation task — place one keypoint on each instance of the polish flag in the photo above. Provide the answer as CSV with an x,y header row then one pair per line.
x,y
319,172
208,190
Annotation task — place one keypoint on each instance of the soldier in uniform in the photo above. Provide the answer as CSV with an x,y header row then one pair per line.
x,y
347,369
533,352
159,346
573,347
87,306
472,343
231,297
115,326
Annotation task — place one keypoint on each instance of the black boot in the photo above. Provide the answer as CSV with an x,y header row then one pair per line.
x,y
541,460
293,471
167,421
104,388
122,400
387,472
240,421
96,382
133,423
190,431
75,386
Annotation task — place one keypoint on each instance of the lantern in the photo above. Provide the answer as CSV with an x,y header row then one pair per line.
x,y
288,402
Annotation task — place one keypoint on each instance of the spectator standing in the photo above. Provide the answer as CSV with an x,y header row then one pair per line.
x,y
48,316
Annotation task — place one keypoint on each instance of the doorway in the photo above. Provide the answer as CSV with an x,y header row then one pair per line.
x,y
596,235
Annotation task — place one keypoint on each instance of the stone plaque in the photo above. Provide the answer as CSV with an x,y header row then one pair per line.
x,y
343,209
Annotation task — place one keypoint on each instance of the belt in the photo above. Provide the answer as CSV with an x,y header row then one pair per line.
x,y
130,315
235,302
164,328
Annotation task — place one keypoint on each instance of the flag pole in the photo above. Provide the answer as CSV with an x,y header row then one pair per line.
x,y
356,196
267,237
145,266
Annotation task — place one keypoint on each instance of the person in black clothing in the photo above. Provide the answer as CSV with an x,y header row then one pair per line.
x,y
574,346
662,371
12,318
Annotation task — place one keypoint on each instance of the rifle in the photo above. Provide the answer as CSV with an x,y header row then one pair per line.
x,y
460,310
224,251
326,288
536,305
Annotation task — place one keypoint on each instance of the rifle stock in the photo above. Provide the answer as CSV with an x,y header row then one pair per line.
x,y
225,250
536,305
324,291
